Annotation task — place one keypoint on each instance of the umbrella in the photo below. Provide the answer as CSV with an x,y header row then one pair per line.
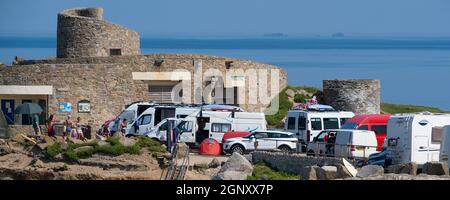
x,y
28,109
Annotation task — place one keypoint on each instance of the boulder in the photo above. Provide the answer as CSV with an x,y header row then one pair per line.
x,y
103,143
5,149
407,168
237,162
38,163
343,172
182,150
59,157
290,93
435,168
326,172
2,142
308,173
83,149
48,139
351,169
214,163
230,175
370,170
125,141
42,146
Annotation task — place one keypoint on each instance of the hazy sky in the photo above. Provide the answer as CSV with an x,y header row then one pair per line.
x,y
241,17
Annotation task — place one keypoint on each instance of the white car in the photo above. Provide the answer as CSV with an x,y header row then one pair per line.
x,y
265,140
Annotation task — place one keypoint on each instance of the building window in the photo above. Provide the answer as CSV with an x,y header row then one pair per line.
x,y
291,123
115,52
228,64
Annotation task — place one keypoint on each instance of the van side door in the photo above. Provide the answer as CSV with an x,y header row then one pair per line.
x,y
188,129
144,124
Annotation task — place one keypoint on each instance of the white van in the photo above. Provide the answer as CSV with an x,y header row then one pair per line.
x,y
154,115
415,137
355,143
214,124
308,124
445,145
131,112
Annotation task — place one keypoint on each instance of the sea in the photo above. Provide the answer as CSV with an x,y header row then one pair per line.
x,y
412,70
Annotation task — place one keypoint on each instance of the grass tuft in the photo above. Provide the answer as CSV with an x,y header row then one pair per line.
x,y
262,169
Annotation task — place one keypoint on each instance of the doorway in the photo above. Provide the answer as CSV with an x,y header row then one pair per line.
x,y
7,106
26,119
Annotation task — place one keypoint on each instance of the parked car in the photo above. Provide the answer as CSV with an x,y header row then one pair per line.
x,y
358,144
374,122
321,144
265,140
415,138
234,134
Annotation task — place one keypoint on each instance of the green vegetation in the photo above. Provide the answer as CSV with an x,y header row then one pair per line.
x,y
25,143
301,98
309,89
115,148
284,106
53,150
399,108
151,144
262,169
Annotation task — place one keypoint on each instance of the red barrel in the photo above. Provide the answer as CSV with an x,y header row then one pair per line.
x,y
209,146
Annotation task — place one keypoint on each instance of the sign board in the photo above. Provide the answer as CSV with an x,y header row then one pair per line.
x,y
84,106
64,107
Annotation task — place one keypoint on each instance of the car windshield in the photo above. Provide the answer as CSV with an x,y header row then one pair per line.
x,y
349,125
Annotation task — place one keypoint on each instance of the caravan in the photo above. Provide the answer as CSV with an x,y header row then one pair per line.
x,y
445,145
307,124
214,124
415,137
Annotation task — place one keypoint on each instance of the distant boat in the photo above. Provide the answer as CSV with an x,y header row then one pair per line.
x,y
275,35
338,35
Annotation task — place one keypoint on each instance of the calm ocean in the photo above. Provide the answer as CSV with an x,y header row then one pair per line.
x,y
412,71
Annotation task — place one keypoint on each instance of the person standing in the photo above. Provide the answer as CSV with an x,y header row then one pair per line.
x,y
68,127
123,126
35,122
50,123
79,129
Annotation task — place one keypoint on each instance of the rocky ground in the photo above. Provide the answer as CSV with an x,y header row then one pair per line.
x,y
22,160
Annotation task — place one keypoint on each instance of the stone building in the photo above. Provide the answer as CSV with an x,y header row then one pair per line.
x,y
358,96
99,70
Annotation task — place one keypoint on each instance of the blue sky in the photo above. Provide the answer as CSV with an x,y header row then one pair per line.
x,y
241,17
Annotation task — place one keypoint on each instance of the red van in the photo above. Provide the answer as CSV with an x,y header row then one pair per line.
x,y
374,122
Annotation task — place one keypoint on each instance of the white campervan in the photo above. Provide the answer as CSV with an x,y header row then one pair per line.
x,y
415,137
307,124
445,145
214,124
154,115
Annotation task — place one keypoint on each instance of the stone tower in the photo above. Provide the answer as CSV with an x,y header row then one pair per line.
x,y
358,96
82,32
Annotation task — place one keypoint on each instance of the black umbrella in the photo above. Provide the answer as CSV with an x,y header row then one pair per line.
x,y
28,109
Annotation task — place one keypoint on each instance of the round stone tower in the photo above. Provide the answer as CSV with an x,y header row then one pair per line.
x,y
82,32
358,96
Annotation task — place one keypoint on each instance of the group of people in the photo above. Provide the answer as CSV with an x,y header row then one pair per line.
x,y
121,127
72,129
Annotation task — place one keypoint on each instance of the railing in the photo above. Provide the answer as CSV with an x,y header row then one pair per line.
x,y
177,171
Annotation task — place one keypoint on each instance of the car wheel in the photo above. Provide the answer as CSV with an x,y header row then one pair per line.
x,y
284,148
238,149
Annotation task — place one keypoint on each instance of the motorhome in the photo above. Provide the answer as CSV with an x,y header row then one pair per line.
x,y
415,137
373,122
307,124
154,115
214,124
131,112
445,145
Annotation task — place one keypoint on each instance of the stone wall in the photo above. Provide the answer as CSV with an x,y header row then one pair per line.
x,y
81,32
358,96
292,163
107,81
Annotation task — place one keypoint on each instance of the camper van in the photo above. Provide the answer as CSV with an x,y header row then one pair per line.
x,y
307,124
445,145
374,122
131,112
154,115
415,137
214,124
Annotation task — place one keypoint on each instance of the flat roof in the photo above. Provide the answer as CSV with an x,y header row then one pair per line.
x,y
26,89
